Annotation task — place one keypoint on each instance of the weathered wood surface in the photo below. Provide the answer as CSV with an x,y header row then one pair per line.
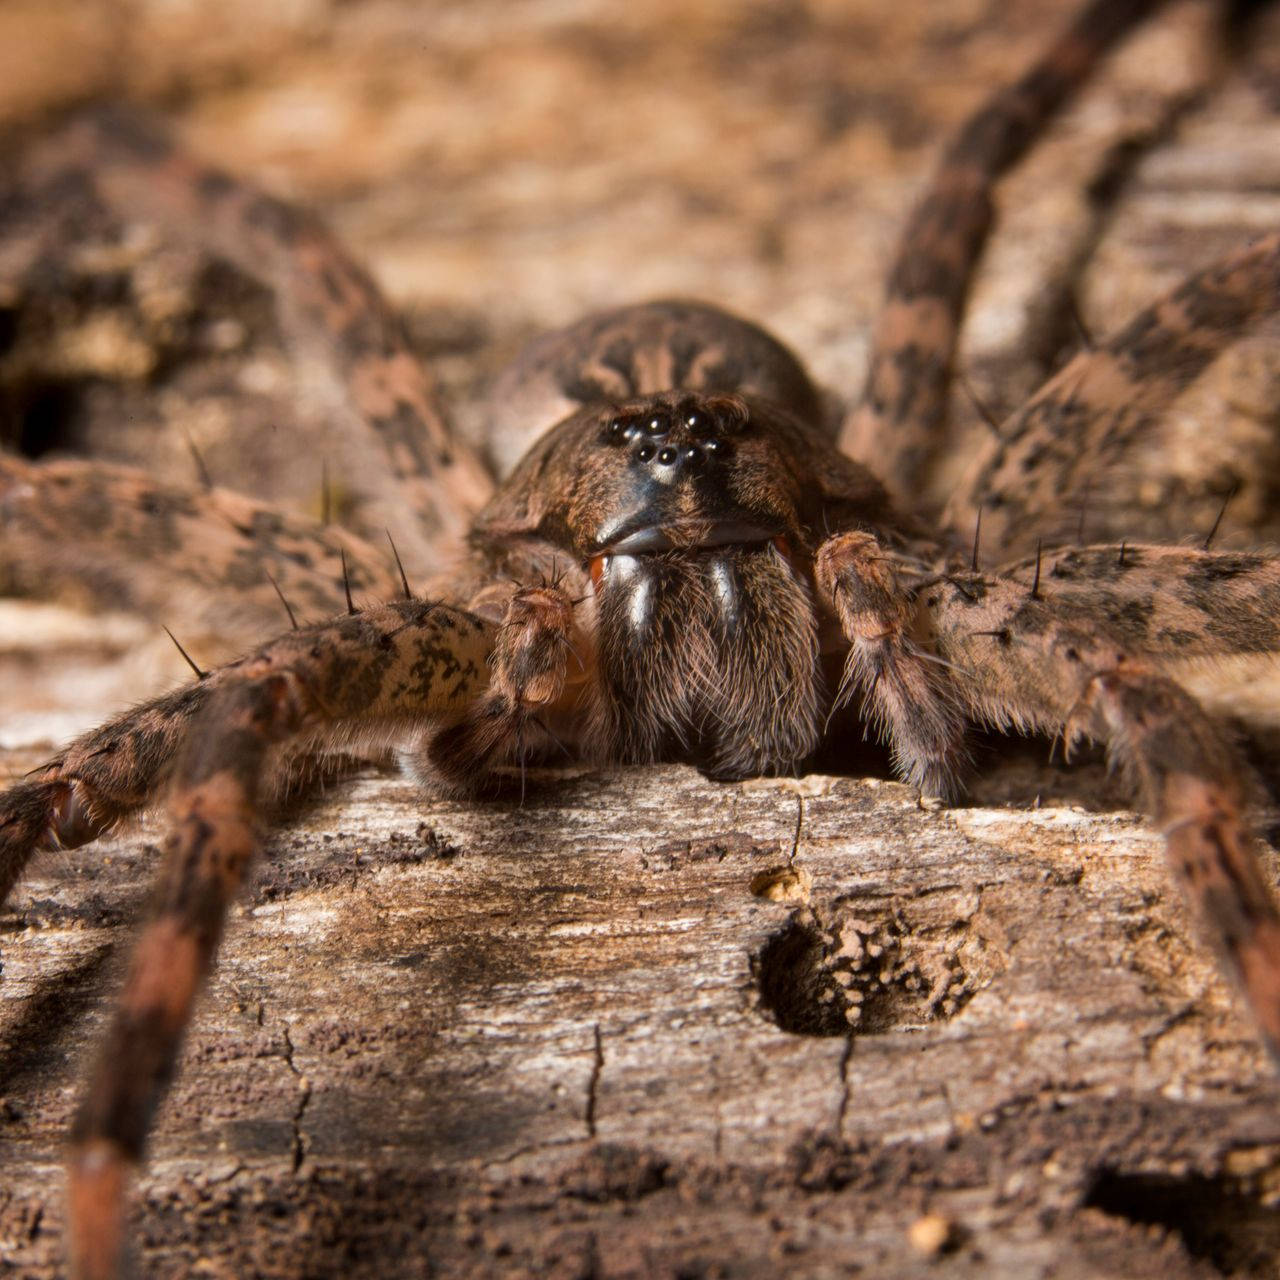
x,y
538,1040
532,1040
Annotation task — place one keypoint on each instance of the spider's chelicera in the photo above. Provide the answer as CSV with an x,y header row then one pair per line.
x,y
689,565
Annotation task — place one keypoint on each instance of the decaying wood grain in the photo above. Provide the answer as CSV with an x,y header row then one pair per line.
x,y
545,1039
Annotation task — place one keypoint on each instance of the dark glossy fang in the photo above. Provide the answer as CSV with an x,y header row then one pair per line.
x,y
653,539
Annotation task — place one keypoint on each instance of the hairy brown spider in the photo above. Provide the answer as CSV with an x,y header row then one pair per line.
x,y
687,566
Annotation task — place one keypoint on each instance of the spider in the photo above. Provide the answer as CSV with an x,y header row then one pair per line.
x,y
685,566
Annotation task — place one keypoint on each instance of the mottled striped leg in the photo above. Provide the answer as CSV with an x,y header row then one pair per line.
x,y
528,669
325,298
906,691
1030,661
900,422
1190,782
214,807
1030,482
100,779
401,664
1164,604
209,564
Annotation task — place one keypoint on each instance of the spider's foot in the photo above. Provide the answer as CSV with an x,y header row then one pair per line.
x,y
46,814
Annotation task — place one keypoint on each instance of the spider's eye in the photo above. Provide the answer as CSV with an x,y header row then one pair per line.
x,y
645,452
658,425
699,423
667,455
715,448
617,431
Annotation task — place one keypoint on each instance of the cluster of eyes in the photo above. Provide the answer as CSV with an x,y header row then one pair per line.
x,y
656,425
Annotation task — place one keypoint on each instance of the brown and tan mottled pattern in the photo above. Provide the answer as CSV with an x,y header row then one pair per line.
x,y
326,299
907,692
111,537
636,351
370,676
1028,657
1172,603
1191,784
528,670
901,421
674,571
1056,454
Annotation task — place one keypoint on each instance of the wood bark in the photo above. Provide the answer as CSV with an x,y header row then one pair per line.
x,y
644,1024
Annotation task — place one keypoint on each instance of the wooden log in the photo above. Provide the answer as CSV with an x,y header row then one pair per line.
x,y
645,1024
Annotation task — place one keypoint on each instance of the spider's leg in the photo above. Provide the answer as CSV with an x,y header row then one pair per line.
x,y
901,419
210,564
907,693
1029,663
1168,604
529,663
1190,780
404,662
1055,327
1029,483
396,666
381,388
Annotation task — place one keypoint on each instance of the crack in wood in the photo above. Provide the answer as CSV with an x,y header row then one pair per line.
x,y
304,1098
593,1081
845,1058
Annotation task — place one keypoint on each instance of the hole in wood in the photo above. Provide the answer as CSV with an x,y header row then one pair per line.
x,y
854,970
1227,1221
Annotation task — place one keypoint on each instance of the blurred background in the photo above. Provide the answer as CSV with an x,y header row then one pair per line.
x,y
505,167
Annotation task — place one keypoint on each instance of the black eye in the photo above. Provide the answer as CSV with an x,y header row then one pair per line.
x,y
698,422
645,452
667,456
617,431
693,456
658,425
716,448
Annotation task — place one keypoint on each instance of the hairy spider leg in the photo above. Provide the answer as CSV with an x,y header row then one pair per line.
x,y
202,561
399,665
385,394
901,419
1053,661
1029,480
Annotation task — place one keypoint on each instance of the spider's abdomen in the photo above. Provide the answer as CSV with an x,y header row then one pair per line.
x,y
708,657
636,351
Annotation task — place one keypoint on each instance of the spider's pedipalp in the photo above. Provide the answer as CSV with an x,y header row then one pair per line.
x,y
686,491
1085,419
529,665
902,416
906,695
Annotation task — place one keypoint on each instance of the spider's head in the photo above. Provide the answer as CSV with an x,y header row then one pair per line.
x,y
678,471
698,516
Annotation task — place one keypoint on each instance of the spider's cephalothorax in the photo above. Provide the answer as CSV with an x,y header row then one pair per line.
x,y
696,518
686,567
